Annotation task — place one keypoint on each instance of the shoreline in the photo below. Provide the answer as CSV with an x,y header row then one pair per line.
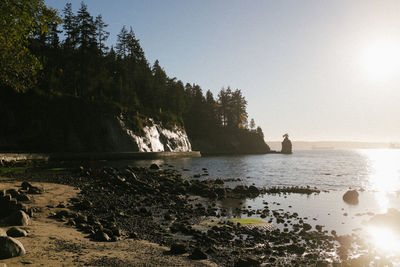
x,y
20,157
29,157
160,206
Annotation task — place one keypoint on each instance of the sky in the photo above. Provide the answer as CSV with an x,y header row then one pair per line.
x,y
316,69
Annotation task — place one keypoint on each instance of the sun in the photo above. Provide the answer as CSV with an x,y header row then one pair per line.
x,y
381,60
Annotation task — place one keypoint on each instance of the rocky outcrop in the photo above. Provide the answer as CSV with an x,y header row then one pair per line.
x,y
156,138
286,145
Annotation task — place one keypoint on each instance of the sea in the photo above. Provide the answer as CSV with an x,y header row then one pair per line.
x,y
375,173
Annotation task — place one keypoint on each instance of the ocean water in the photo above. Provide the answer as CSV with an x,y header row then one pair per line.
x,y
375,171
370,169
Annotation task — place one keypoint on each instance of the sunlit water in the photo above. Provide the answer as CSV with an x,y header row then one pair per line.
x,y
377,171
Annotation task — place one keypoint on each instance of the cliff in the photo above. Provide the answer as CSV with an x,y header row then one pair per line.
x,y
36,123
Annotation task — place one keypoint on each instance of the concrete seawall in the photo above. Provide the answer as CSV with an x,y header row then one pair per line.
x,y
96,156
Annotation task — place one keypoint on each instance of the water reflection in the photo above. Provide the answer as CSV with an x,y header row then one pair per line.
x,y
383,167
384,174
384,239
233,206
384,178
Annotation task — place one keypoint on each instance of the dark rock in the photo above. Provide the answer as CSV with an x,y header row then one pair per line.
x,y
10,247
154,167
240,189
168,217
101,236
18,218
286,145
351,197
81,219
177,248
13,192
198,254
34,190
26,185
23,197
220,191
85,204
116,231
248,262
306,227
16,232
254,190
61,205
133,235
64,214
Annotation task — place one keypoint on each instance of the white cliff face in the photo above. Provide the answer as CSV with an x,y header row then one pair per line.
x,y
158,139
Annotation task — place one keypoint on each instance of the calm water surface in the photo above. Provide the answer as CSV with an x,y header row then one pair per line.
x,y
373,169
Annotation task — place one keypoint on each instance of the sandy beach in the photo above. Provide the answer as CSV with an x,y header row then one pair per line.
x,y
52,243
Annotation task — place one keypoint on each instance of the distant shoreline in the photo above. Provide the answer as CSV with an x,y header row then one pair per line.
x,y
335,145
96,156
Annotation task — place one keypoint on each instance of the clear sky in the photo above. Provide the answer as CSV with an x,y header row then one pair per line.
x,y
319,70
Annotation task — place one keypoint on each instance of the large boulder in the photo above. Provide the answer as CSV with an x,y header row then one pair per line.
x,y
10,247
19,218
351,197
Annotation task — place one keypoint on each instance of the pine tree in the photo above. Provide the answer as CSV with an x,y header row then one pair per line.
x,y
70,26
86,29
122,43
101,33
252,124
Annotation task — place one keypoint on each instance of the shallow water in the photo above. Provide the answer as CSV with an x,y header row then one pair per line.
x,y
375,170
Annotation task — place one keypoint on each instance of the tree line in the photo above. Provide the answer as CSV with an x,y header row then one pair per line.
x,y
67,55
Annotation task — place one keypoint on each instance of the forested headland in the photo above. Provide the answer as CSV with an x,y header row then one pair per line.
x,y
57,68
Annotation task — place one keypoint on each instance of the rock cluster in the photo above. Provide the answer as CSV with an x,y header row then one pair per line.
x,y
156,204
14,212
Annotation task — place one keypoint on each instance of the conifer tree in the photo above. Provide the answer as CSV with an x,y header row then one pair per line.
x,y
101,33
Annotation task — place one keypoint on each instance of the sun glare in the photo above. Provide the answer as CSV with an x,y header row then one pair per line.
x,y
382,60
384,239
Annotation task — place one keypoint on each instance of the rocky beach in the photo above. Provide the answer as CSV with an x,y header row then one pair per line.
x,y
77,210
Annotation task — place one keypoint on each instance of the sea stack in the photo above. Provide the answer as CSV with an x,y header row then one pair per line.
x,y
286,145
